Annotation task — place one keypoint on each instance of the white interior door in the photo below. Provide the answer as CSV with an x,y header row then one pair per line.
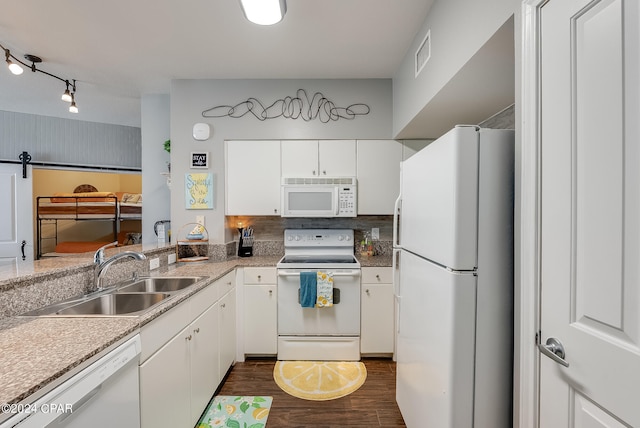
x,y
590,229
16,214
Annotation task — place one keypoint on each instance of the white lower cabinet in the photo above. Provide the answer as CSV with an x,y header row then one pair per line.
x,y
165,390
227,323
377,311
185,354
260,311
205,359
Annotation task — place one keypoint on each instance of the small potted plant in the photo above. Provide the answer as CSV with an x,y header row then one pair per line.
x,y
167,148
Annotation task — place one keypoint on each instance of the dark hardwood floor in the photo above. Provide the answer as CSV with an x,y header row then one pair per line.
x,y
373,405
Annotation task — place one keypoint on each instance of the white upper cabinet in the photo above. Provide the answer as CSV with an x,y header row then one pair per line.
x,y
337,158
299,158
253,177
378,176
313,158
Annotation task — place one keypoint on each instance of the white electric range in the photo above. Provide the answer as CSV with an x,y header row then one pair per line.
x,y
326,333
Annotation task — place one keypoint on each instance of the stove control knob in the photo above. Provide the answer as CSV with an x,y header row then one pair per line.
x,y
297,237
289,238
340,237
347,237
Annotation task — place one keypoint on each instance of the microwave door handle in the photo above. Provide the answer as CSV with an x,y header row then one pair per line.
x,y
337,201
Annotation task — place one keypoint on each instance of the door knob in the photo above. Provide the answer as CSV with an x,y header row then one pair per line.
x,y
554,350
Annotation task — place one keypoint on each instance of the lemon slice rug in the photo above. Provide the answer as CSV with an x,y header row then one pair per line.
x,y
319,380
236,412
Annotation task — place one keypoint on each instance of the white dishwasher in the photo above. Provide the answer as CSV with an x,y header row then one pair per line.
x,y
105,394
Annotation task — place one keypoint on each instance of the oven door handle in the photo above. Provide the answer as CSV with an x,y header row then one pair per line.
x,y
349,273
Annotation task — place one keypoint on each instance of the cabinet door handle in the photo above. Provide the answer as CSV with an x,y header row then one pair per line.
x,y
314,172
188,337
197,330
259,277
324,172
224,305
270,292
378,277
367,291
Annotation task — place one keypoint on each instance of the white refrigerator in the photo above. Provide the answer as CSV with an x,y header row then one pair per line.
x,y
453,264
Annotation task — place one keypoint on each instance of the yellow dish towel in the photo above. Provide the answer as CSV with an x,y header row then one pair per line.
x,y
325,290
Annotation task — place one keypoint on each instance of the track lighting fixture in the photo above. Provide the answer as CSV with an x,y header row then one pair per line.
x,y
15,66
264,12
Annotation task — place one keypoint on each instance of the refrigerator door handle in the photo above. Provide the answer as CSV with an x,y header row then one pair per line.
x,y
395,266
396,218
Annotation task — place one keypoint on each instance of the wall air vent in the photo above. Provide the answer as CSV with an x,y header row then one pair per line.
x,y
423,53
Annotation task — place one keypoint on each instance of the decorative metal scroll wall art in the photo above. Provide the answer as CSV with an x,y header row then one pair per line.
x,y
298,107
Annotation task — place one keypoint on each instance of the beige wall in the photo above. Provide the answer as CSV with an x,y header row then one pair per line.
x,y
47,182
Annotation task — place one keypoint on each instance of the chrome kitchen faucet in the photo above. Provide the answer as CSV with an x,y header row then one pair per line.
x,y
101,265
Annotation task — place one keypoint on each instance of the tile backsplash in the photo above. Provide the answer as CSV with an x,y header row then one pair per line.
x,y
271,228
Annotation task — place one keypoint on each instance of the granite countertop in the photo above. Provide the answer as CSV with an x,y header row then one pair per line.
x,y
375,261
39,352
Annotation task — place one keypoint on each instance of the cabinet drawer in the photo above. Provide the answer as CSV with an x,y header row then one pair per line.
x,y
203,299
227,282
377,275
260,275
159,331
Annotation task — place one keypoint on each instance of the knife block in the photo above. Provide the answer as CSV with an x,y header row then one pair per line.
x,y
245,245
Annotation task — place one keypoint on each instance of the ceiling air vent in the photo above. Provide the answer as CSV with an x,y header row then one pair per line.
x,y
423,53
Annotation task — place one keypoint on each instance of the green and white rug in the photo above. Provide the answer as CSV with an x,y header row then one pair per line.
x,y
236,412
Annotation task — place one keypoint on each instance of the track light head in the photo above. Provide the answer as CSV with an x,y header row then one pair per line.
x,y
13,67
67,95
73,108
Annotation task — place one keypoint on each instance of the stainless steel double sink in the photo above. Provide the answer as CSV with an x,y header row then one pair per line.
x,y
131,298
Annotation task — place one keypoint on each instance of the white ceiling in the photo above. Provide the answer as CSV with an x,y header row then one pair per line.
x,y
119,50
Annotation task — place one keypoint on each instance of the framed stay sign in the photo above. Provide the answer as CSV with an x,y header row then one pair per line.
x,y
199,159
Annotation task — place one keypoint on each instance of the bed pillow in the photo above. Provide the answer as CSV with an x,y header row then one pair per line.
x,y
131,198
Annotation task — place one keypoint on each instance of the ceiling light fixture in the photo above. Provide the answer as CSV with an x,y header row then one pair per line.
x,y
15,66
264,12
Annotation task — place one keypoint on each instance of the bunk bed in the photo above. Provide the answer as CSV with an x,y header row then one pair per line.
x,y
85,204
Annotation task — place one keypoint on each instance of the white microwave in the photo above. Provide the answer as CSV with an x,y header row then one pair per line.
x,y
319,197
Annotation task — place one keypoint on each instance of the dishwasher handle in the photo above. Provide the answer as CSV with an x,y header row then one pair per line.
x,y
77,405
